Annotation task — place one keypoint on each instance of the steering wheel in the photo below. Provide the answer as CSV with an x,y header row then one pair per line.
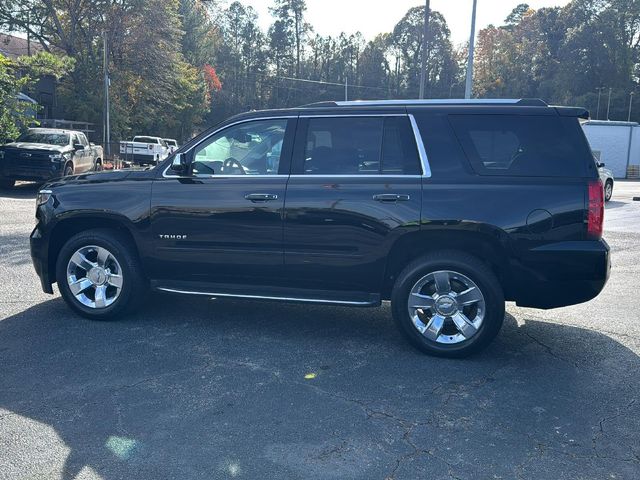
x,y
232,163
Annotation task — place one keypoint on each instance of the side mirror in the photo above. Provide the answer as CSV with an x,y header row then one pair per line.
x,y
180,164
600,164
78,146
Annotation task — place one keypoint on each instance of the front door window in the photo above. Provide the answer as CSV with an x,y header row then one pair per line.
x,y
251,148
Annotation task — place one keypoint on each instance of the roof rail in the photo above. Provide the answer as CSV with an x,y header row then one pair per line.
x,y
525,102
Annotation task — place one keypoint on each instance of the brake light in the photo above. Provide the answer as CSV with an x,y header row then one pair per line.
x,y
595,216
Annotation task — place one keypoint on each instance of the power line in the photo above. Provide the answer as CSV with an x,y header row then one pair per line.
x,y
321,82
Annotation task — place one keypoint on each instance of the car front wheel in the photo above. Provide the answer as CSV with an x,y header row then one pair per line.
x,y
448,304
99,274
608,190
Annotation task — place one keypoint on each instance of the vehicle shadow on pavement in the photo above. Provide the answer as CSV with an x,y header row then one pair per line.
x,y
194,388
611,204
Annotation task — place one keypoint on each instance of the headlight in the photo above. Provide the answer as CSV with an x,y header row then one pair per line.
x,y
58,157
43,197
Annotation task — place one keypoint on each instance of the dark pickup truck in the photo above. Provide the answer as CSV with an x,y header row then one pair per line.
x,y
445,208
41,154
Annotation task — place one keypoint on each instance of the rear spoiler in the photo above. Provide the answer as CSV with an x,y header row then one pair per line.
x,y
578,112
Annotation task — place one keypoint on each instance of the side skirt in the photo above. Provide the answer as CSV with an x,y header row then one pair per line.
x,y
262,292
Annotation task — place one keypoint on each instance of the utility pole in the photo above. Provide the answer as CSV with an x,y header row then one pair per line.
x,y
105,68
472,41
599,95
630,105
346,88
28,35
609,103
423,70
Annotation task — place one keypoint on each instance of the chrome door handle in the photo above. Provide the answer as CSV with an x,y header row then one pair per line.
x,y
261,197
391,197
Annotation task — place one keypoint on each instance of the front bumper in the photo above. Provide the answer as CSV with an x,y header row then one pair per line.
x,y
40,257
32,173
561,274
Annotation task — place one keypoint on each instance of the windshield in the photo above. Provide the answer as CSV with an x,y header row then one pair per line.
x,y
48,138
172,143
146,140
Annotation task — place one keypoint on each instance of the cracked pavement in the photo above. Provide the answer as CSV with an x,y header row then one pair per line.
x,y
194,388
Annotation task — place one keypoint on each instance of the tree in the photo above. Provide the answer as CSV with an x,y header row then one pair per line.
x,y
290,15
200,34
148,60
442,69
516,15
19,76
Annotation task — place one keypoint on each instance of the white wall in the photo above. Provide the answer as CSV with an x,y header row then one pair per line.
x,y
634,158
613,143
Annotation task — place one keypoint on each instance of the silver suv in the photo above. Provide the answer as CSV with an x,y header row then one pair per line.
x,y
606,176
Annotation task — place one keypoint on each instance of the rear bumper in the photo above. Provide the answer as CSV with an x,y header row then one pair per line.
x,y
561,274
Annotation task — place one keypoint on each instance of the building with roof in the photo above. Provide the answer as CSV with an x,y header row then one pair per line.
x,y
12,46
616,144
45,90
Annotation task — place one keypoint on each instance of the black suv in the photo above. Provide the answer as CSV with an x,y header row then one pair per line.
x,y
446,208
41,154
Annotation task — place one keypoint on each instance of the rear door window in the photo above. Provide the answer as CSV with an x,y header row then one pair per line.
x,y
520,145
360,146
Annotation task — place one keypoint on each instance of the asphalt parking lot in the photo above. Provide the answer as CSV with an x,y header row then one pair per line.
x,y
213,389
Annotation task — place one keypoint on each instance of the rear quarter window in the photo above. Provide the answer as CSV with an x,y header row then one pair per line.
x,y
521,145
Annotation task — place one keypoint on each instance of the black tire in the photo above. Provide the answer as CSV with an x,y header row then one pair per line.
x,y
98,166
7,183
134,284
68,170
608,190
467,265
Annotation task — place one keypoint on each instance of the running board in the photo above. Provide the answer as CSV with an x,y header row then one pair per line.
x,y
321,297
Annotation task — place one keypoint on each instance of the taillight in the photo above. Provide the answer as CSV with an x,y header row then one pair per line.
x,y
595,218
150,147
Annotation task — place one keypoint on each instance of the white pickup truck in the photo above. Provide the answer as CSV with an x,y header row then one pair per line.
x,y
144,150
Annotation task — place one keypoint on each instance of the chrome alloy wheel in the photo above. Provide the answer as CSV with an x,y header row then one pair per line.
x,y
446,307
608,190
94,276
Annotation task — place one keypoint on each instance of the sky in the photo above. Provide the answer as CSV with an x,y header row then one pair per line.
x,y
330,17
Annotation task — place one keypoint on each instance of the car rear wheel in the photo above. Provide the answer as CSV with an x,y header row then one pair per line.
x,y
448,304
99,275
608,190
98,167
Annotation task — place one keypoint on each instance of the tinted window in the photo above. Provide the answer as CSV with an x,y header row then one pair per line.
x,y
45,137
146,140
251,148
541,146
399,151
360,146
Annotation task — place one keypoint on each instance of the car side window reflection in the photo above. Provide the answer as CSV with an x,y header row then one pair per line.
x,y
251,148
